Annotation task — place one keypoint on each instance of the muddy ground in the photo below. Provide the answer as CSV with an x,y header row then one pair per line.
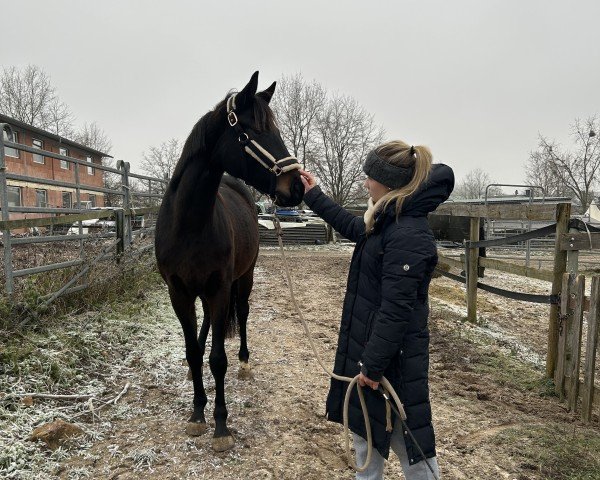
x,y
487,391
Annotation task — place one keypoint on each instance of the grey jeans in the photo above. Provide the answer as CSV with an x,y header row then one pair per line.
x,y
374,471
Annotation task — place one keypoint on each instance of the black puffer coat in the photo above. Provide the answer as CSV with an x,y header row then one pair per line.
x,y
385,312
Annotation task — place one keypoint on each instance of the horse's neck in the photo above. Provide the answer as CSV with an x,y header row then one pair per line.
x,y
195,179
197,193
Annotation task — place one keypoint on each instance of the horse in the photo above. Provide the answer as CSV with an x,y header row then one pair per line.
x,y
207,239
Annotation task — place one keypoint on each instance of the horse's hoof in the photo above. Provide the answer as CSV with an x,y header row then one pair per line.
x,y
245,372
222,444
196,429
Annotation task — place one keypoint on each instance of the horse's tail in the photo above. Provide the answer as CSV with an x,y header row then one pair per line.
x,y
232,326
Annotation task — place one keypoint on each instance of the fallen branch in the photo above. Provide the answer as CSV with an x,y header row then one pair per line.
x,y
118,397
114,401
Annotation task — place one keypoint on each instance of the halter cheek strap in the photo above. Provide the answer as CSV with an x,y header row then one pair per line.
x,y
255,150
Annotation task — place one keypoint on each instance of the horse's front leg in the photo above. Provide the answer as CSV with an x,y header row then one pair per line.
x,y
219,310
186,313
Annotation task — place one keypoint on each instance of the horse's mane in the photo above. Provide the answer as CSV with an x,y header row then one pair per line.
x,y
198,140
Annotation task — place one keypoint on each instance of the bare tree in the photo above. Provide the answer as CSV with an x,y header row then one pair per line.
x,y
540,172
160,161
28,95
474,185
297,104
346,134
572,171
91,135
60,119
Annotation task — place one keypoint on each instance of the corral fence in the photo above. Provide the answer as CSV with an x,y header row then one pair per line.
x,y
567,300
114,230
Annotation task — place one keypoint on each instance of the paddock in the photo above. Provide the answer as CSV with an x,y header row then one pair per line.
x,y
495,416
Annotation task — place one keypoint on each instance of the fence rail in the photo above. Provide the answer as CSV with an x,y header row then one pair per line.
x,y
499,212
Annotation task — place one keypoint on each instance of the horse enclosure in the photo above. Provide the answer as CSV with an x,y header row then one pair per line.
x,y
124,230
569,238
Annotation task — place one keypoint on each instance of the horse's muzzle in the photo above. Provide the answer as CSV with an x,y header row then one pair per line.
x,y
295,196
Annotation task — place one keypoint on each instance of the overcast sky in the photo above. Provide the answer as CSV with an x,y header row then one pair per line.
x,y
475,80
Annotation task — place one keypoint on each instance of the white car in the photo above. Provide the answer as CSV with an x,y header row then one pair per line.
x,y
93,225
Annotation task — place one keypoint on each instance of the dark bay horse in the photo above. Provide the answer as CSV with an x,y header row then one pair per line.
x,y
207,232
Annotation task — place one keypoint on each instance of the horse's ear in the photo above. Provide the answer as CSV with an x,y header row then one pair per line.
x,y
245,97
267,94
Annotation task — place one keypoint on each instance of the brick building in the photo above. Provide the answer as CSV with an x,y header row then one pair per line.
x,y
32,194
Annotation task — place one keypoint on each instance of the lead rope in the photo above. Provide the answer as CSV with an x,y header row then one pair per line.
x,y
385,386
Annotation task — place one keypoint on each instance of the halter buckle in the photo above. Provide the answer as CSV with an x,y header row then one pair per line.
x,y
277,170
232,118
243,138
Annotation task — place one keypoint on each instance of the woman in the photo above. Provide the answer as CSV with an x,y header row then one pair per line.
x,y
384,331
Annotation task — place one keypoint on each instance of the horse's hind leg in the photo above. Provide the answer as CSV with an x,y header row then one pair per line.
x,y
219,310
185,310
243,309
204,329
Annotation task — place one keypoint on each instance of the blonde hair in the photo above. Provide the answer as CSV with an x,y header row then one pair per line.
x,y
401,154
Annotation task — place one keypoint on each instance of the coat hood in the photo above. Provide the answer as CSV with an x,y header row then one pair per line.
x,y
434,191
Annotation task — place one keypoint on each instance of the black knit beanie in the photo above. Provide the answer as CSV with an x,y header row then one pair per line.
x,y
392,176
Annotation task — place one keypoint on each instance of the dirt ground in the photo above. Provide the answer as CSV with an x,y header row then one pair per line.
x,y
277,416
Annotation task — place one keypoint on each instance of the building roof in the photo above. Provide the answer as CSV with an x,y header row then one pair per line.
x,y
58,138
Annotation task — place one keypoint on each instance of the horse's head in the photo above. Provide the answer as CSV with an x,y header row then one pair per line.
x,y
252,149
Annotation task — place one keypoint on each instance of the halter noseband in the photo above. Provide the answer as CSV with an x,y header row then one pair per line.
x,y
255,150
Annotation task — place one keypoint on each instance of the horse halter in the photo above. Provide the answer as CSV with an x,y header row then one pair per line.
x,y
255,150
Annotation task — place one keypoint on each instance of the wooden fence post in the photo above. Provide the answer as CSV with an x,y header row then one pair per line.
x,y
563,214
472,270
590,354
575,362
565,319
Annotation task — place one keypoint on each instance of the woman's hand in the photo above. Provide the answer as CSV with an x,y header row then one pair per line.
x,y
308,180
362,381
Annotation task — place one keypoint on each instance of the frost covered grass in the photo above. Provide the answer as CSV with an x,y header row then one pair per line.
x,y
89,355
555,450
106,280
498,356
143,458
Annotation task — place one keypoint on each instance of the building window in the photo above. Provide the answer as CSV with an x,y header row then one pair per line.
x,y
67,200
37,157
9,151
90,169
63,163
41,198
14,196
92,200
